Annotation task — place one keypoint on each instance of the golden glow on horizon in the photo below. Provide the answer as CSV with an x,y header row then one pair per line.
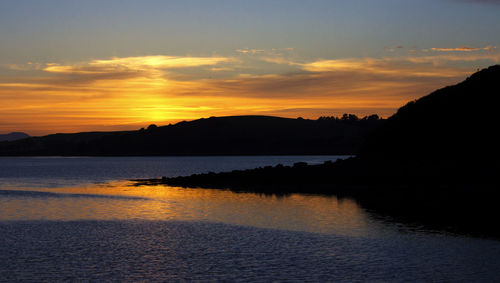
x,y
132,92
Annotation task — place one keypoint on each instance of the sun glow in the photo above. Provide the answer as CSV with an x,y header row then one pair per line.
x,y
133,92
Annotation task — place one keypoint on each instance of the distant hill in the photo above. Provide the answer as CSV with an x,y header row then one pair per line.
x,y
13,136
235,135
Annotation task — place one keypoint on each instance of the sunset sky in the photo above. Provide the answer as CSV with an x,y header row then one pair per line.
x,y
68,66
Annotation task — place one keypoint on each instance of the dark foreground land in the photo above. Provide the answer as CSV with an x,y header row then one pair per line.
x,y
436,161
465,207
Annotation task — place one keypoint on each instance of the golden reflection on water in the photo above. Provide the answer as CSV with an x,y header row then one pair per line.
x,y
121,201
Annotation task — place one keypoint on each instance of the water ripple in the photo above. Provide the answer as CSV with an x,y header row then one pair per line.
x,y
39,194
204,251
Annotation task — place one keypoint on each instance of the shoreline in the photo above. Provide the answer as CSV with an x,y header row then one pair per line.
x,y
463,208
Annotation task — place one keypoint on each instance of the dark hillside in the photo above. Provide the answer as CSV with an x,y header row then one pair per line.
x,y
448,137
236,135
433,163
451,131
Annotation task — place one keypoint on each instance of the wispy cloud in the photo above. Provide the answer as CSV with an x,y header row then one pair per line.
x,y
448,58
395,67
160,62
25,67
221,69
393,48
464,49
277,60
134,64
250,51
273,55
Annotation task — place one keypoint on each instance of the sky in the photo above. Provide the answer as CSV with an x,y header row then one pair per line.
x,y
99,65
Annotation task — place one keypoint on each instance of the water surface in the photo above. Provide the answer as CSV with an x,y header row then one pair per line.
x,y
71,171
77,218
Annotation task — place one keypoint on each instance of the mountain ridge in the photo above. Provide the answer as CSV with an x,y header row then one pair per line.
x,y
227,135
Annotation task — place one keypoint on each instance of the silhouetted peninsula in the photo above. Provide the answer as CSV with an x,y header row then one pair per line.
x,y
236,135
449,134
436,160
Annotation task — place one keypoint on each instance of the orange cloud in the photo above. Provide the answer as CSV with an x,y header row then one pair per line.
x,y
465,49
395,67
136,64
160,62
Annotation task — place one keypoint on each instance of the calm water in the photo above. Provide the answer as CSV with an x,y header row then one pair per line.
x,y
71,171
78,218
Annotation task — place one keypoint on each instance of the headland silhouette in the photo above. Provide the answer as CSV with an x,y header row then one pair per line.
x,y
435,161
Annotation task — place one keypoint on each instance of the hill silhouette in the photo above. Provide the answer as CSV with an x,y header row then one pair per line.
x,y
234,135
448,135
435,161
451,132
13,136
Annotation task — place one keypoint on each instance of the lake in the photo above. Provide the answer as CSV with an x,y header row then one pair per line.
x,y
79,218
